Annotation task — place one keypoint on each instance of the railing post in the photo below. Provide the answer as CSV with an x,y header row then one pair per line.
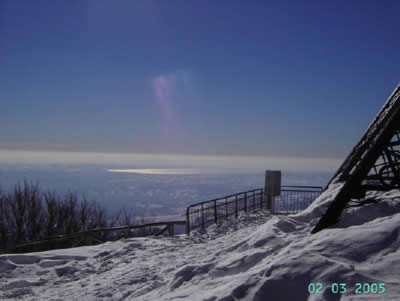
x,y
245,202
202,216
215,211
236,207
171,229
187,221
254,200
261,199
226,208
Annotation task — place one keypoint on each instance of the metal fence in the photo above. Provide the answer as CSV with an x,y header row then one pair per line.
x,y
291,200
88,237
295,198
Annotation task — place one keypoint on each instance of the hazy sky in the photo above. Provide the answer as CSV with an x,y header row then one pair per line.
x,y
296,78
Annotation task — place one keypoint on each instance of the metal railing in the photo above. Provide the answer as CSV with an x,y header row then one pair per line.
x,y
205,213
88,236
292,199
295,198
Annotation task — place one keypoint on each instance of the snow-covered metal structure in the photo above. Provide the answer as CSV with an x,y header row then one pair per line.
x,y
373,164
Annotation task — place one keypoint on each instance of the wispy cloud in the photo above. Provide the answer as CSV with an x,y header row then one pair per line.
x,y
170,90
164,87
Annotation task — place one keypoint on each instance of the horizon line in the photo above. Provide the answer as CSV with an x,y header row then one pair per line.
x,y
170,154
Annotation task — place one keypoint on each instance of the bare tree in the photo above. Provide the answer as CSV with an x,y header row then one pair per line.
x,y
28,214
71,211
83,214
3,220
18,206
34,221
51,214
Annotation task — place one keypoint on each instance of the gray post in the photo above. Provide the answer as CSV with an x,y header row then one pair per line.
x,y
272,187
236,206
202,216
187,221
215,211
171,229
226,208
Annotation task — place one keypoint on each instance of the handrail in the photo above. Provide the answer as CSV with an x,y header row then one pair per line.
x,y
294,186
87,232
299,190
224,197
253,190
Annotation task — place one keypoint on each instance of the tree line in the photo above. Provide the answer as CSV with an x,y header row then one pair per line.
x,y
29,214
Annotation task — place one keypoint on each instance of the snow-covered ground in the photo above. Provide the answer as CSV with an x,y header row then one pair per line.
x,y
257,257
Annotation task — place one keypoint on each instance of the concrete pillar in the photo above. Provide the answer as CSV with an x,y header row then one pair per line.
x,y
272,187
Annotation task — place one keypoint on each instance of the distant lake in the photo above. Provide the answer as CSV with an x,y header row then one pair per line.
x,y
154,185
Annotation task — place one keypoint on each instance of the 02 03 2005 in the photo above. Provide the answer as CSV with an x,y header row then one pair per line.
x,y
343,288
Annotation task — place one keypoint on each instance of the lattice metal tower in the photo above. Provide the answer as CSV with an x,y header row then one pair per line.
x,y
373,164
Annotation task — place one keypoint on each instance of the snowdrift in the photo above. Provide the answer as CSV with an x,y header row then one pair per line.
x,y
256,257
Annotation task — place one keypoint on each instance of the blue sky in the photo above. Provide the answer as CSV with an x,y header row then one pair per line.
x,y
270,78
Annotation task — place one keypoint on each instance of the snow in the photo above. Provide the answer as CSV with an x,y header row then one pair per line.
x,y
258,256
